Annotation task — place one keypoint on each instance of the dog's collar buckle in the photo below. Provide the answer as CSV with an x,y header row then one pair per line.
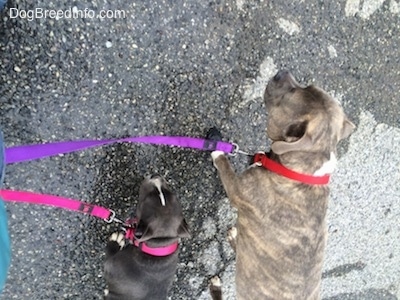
x,y
261,159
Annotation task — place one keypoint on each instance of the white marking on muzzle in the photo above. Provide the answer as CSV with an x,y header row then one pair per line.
x,y
157,184
328,167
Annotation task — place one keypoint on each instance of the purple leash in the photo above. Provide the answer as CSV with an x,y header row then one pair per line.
x,y
36,151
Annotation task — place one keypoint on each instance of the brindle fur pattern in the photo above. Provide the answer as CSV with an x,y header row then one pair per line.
x,y
281,225
134,275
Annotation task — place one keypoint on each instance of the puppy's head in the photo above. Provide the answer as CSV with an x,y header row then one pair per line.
x,y
159,212
303,118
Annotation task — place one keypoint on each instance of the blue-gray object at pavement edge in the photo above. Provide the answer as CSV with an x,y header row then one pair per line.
x,y
5,252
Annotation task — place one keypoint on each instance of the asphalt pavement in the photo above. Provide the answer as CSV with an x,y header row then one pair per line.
x,y
179,68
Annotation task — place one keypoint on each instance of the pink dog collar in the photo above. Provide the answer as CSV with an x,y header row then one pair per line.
x,y
158,251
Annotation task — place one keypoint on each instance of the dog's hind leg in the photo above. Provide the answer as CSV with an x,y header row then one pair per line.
x,y
215,288
115,243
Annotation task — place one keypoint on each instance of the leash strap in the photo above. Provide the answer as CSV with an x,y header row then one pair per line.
x,y
107,215
36,151
263,160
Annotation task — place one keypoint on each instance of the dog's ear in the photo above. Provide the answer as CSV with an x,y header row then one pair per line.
x,y
296,139
347,128
303,144
183,230
303,141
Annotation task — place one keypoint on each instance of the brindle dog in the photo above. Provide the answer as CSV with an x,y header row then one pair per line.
x,y
281,225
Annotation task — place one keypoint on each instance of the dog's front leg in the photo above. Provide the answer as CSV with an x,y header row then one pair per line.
x,y
227,176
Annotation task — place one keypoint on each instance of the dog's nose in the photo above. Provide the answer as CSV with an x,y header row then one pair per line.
x,y
282,74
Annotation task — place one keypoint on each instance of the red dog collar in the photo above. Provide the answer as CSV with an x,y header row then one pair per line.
x,y
263,160
158,251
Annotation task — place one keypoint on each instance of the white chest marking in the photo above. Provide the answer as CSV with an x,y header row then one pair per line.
x,y
328,167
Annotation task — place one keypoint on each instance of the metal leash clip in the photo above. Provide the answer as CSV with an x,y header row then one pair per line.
x,y
236,150
112,218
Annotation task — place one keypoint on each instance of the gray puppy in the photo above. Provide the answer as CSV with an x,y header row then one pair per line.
x,y
281,226
145,268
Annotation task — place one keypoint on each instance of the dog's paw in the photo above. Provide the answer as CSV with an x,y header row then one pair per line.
x,y
216,154
119,238
115,243
216,282
231,236
214,134
215,287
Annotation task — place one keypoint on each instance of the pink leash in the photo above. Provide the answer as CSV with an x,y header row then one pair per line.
x,y
106,214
